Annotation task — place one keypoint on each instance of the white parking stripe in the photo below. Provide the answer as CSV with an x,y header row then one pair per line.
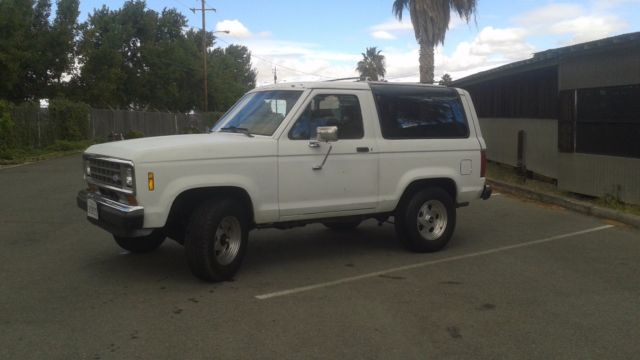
x,y
427,263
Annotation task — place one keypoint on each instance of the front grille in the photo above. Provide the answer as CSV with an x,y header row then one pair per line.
x,y
106,172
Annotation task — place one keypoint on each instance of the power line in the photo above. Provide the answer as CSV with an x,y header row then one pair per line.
x,y
181,3
203,9
279,65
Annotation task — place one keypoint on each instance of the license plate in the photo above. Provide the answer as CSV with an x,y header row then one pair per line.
x,y
92,209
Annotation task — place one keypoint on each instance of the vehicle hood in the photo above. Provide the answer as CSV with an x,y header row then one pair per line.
x,y
187,147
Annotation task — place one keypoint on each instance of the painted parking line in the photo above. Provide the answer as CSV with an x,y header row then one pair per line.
x,y
427,263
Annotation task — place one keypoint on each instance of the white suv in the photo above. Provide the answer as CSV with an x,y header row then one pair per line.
x,y
289,155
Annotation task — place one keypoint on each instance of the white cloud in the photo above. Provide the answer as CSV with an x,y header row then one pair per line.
x,y
587,28
490,48
391,29
393,25
549,14
574,23
565,23
297,61
508,43
235,27
383,35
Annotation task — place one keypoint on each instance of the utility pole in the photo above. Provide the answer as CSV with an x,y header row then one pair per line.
x,y
275,75
204,49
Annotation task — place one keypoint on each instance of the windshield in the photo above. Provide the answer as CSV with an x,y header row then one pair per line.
x,y
259,113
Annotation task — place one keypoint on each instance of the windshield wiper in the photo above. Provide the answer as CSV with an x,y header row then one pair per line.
x,y
234,129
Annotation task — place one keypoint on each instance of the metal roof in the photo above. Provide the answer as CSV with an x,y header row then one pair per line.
x,y
553,57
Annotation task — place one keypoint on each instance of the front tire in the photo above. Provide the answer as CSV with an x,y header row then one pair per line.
x,y
216,240
425,222
143,244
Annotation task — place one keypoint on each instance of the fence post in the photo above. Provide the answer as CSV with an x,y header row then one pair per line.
x,y
38,126
175,123
90,120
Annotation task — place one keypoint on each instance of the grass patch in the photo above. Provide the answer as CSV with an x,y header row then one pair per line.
x,y
57,149
510,175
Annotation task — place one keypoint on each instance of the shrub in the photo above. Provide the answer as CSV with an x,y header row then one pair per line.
x,y
212,118
70,119
65,145
134,134
6,125
191,129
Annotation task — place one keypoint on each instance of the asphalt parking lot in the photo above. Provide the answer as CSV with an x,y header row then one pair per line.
x,y
520,280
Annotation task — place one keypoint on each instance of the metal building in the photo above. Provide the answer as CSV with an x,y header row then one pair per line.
x,y
577,109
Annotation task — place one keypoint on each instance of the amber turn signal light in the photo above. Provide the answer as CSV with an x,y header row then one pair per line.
x,y
152,183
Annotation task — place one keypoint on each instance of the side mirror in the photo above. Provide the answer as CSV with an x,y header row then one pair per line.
x,y
327,133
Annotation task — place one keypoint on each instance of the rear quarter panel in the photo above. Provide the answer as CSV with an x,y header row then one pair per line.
x,y
405,161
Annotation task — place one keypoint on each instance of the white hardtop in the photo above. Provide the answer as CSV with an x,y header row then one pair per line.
x,y
340,85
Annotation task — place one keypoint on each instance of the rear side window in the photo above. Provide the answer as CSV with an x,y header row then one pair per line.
x,y
420,112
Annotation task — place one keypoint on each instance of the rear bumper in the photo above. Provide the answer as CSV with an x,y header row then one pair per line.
x,y
486,192
118,219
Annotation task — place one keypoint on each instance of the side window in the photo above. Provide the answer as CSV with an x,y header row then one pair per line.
x,y
419,113
342,111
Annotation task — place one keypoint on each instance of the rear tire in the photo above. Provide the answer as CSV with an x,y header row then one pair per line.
x,y
342,226
425,223
143,244
216,240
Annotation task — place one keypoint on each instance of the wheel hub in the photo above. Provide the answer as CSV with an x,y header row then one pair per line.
x,y
432,220
227,240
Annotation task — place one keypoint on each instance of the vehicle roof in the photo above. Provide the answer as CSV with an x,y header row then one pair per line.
x,y
342,85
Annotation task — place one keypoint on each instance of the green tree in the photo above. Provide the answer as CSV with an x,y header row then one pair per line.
x,y
101,75
38,63
230,76
112,56
446,80
430,19
372,66
172,66
135,58
62,43
16,26
33,51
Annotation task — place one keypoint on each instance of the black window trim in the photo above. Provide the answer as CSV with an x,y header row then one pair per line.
x,y
308,101
379,113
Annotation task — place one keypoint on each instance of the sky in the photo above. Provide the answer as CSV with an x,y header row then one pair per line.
x,y
309,40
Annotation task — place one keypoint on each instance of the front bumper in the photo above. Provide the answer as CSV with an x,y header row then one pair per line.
x,y
118,219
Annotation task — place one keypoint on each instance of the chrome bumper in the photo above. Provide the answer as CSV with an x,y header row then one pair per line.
x,y
117,218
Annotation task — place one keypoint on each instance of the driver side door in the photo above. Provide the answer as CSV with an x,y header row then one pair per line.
x,y
348,182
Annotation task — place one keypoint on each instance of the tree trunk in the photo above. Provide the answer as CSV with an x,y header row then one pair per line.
x,y
426,63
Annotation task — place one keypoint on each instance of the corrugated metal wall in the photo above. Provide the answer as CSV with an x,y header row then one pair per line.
x,y
611,68
541,154
588,174
599,175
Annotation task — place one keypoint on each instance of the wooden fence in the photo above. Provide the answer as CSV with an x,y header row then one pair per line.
x,y
35,129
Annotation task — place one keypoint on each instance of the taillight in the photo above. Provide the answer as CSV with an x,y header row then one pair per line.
x,y
483,163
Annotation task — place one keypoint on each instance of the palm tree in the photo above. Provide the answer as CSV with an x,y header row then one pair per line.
x,y
372,66
446,80
430,19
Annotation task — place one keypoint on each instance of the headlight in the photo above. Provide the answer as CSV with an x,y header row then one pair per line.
x,y
128,177
87,167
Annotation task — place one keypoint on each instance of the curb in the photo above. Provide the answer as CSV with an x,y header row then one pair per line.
x,y
575,205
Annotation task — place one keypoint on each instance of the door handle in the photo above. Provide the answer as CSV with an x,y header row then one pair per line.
x,y
362,149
